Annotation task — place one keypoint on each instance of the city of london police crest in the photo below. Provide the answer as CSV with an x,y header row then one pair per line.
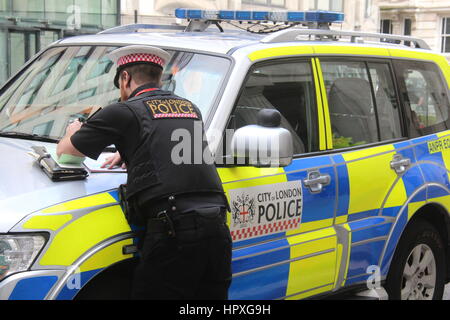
x,y
243,210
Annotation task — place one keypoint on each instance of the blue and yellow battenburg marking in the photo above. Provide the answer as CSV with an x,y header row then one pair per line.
x,y
72,236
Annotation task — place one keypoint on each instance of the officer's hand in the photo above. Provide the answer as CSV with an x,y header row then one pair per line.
x,y
113,161
73,127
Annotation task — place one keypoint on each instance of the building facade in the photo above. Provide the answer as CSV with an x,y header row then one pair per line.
x,y
425,19
358,13
27,26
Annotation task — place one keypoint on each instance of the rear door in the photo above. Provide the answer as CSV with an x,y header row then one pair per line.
x,y
281,222
371,156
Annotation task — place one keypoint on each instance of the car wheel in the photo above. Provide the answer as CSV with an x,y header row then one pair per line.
x,y
417,270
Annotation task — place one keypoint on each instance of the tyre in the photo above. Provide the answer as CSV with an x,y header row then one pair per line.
x,y
417,270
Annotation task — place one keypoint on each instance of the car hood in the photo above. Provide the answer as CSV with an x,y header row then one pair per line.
x,y
24,187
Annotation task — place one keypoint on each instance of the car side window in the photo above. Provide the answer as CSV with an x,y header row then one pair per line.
x,y
362,102
287,87
424,96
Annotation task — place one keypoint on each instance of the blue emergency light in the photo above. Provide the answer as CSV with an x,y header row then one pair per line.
x,y
275,16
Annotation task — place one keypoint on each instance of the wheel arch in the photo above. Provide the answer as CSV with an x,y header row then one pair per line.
x,y
436,214
112,283
433,212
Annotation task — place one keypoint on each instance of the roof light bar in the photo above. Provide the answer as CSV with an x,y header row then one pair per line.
x,y
276,16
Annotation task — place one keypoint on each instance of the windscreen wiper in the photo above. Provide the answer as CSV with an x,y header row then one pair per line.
x,y
28,136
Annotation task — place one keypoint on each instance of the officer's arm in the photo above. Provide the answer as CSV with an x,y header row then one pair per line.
x,y
65,146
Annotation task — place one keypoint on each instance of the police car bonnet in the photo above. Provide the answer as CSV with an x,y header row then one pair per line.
x,y
131,55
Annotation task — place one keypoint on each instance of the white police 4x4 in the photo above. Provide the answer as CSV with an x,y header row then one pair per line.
x,y
356,196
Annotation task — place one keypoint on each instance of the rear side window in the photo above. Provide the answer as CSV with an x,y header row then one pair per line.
x,y
362,102
424,95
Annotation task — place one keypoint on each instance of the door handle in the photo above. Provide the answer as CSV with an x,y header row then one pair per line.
x,y
315,181
400,164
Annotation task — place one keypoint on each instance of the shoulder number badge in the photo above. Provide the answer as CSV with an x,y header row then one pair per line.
x,y
171,109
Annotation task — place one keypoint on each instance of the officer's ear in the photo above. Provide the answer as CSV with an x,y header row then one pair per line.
x,y
126,78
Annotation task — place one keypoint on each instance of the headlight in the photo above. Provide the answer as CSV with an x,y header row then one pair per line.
x,y
17,252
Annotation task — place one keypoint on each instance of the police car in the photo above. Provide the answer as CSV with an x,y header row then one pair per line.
x,y
333,148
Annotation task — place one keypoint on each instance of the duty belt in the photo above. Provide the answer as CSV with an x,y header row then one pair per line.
x,y
170,221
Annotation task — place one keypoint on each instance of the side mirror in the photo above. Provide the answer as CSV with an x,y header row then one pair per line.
x,y
264,144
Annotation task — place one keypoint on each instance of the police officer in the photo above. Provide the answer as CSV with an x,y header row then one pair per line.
x,y
186,251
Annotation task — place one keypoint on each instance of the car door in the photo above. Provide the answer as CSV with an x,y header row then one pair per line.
x,y
374,161
281,220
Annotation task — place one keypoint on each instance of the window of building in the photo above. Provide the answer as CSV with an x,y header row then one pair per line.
x,y
22,46
407,27
362,102
386,26
332,5
445,47
284,86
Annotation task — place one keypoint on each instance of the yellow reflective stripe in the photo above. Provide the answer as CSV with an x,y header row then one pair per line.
x,y
438,59
339,251
341,219
320,112
236,175
86,202
280,51
444,201
445,150
371,163
107,256
310,226
347,265
326,113
83,234
351,50
414,206
314,271
52,222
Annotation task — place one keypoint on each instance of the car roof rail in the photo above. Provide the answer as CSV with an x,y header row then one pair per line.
x,y
129,28
293,34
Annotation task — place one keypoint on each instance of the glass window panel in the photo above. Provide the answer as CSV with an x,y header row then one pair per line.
x,y
29,8
350,101
109,7
425,93
387,106
447,44
48,37
447,26
32,45
65,81
3,56
17,43
288,88
5,5
407,29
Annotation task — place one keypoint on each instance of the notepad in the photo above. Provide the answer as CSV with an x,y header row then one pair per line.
x,y
95,166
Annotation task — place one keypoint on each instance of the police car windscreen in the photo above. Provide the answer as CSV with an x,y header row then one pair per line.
x,y
66,83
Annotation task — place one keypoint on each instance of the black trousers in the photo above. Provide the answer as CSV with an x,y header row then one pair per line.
x,y
194,265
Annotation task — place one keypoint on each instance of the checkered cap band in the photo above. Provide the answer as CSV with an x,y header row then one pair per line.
x,y
140,57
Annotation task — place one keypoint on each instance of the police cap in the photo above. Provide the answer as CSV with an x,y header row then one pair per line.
x,y
132,55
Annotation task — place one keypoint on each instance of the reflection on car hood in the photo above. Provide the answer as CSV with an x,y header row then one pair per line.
x,y
24,188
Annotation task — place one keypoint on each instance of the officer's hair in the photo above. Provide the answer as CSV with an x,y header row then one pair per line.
x,y
144,73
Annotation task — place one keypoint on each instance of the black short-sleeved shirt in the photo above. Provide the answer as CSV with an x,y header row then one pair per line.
x,y
115,124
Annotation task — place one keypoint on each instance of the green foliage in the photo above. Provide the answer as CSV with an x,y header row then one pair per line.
x,y
344,142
